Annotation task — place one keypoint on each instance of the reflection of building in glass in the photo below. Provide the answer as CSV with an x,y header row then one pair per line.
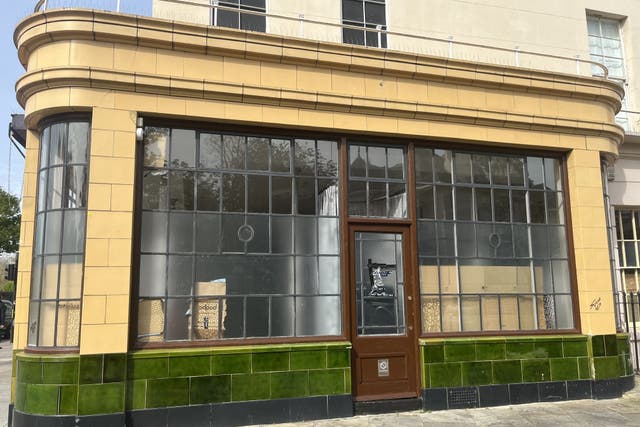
x,y
249,212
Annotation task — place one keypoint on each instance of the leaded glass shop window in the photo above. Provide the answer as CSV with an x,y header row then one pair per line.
x,y
240,237
492,242
59,238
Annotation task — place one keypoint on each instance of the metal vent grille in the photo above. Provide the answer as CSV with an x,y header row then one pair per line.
x,y
463,397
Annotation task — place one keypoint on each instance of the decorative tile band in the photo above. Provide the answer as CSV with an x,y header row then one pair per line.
x,y
113,383
513,360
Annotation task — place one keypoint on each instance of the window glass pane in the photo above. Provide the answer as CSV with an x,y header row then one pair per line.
x,y
466,239
499,171
181,232
564,312
50,271
76,188
534,172
519,206
68,326
322,316
424,165
374,13
207,233
357,198
352,10
280,155
57,144
281,195
480,165
34,323
74,229
154,189
555,208
180,273
233,193
427,238
609,28
539,241
397,200
442,165
208,191
552,174
252,22
42,190
228,18
258,241
328,236
210,151
462,167
357,161
557,242
154,232
231,225
78,139
464,204
377,199
483,204
306,196
327,197
305,235
181,190
71,276
444,202
306,275
257,153
327,158
178,318
44,148
470,313
516,171
258,322
46,335
151,319
153,270
537,207
501,205
376,162
53,233
38,241
55,188
233,152
281,235
329,275
258,188
155,146
446,240
305,152
395,163
424,201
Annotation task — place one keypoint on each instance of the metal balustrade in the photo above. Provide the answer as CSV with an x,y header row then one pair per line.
x,y
298,25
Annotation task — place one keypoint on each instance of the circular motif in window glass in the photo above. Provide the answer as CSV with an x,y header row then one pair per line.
x,y
495,241
245,233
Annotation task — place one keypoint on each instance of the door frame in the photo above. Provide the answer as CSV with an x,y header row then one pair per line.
x,y
412,313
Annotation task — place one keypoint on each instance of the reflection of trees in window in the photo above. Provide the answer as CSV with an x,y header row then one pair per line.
x,y
256,218
56,275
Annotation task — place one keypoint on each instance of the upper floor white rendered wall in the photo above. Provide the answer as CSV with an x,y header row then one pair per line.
x,y
556,27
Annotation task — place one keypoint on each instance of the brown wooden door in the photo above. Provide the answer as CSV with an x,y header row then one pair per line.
x,y
382,313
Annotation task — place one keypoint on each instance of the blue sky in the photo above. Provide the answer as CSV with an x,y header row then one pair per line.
x,y
12,12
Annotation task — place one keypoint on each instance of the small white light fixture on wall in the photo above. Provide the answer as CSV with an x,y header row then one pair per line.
x,y
139,129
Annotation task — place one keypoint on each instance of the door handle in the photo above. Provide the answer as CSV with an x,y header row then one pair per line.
x,y
409,298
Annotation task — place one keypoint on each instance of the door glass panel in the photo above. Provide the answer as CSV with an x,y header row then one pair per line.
x,y
379,284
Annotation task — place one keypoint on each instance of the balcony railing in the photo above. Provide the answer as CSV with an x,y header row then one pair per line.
x,y
630,122
296,25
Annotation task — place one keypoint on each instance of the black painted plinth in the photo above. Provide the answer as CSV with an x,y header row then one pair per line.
x,y
435,399
218,414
